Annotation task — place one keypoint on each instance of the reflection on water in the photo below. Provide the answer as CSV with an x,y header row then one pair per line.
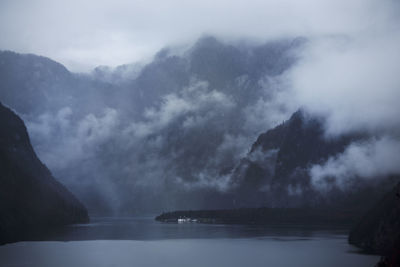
x,y
144,242
146,228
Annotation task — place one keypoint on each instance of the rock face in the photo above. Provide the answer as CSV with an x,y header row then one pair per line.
x,y
279,162
30,198
379,229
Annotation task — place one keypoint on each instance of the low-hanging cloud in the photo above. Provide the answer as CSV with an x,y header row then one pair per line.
x,y
183,143
189,103
76,140
377,157
352,79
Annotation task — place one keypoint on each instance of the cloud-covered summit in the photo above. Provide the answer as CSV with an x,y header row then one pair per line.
x,y
85,34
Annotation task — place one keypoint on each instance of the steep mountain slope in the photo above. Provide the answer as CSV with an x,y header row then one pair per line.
x,y
379,230
30,197
276,171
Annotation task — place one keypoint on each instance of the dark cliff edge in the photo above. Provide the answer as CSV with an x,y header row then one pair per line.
x,y
31,200
379,229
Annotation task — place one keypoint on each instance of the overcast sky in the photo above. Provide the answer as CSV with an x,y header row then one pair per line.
x,y
84,34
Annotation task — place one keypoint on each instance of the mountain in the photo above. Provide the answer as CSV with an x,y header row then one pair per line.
x,y
379,229
30,198
167,127
33,85
178,131
276,171
30,82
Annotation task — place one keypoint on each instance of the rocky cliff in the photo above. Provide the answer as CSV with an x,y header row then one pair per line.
x,y
379,229
30,198
276,170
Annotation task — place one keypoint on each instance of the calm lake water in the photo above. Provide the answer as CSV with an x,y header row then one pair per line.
x,y
144,242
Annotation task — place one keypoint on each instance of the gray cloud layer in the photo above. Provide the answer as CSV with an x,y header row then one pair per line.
x,y
83,34
352,80
368,159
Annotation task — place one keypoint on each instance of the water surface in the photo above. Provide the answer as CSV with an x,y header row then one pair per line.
x,y
145,242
